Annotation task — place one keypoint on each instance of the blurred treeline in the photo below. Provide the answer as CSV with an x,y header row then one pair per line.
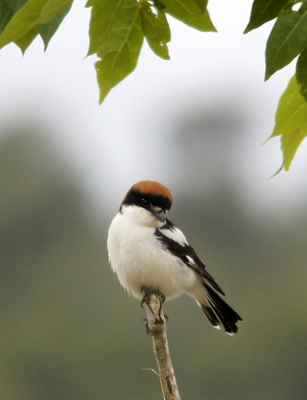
x,y
69,331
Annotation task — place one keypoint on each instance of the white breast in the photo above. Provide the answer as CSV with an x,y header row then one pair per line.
x,y
139,259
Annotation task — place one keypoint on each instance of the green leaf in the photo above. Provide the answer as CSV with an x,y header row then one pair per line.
x,y
92,3
52,8
188,12
264,11
290,142
156,30
22,22
24,42
287,39
47,31
117,37
7,10
202,4
34,12
291,121
15,5
105,20
301,73
5,15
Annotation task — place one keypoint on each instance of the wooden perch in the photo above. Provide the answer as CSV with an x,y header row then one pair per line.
x,y
156,327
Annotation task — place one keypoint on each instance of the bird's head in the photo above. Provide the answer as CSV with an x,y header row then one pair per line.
x,y
148,202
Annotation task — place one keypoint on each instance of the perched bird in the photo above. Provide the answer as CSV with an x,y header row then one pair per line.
x,y
148,252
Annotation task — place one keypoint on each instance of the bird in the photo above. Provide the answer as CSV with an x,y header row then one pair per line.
x,y
149,253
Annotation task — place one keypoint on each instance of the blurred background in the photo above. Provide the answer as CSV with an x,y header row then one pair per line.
x,y
196,123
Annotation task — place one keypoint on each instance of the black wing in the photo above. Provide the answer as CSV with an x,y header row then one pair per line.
x,y
181,248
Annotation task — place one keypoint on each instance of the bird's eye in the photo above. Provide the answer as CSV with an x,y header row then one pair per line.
x,y
145,202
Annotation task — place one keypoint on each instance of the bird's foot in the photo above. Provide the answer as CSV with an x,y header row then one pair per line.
x,y
154,306
147,330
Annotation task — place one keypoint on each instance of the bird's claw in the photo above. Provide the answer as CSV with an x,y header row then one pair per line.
x,y
147,330
147,292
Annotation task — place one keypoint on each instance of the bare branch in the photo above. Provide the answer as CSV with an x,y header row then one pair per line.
x,y
156,327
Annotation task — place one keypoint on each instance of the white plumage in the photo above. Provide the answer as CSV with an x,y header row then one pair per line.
x,y
139,259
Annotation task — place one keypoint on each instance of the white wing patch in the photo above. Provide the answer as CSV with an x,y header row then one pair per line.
x,y
176,235
191,261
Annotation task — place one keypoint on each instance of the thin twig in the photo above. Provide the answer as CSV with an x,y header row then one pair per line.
x,y
157,329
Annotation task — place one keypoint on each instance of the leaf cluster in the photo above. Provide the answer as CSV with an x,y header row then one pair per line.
x,y
287,40
22,20
118,28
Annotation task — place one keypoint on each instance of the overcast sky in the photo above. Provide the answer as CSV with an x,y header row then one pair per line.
x,y
125,139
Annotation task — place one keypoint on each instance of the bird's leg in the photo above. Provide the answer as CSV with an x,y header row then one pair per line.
x,y
154,306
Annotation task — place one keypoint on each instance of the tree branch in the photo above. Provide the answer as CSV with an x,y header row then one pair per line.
x,y
156,327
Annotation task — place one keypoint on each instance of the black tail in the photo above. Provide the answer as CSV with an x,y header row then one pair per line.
x,y
219,313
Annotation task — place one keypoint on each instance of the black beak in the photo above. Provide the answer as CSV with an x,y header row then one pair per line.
x,y
160,215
